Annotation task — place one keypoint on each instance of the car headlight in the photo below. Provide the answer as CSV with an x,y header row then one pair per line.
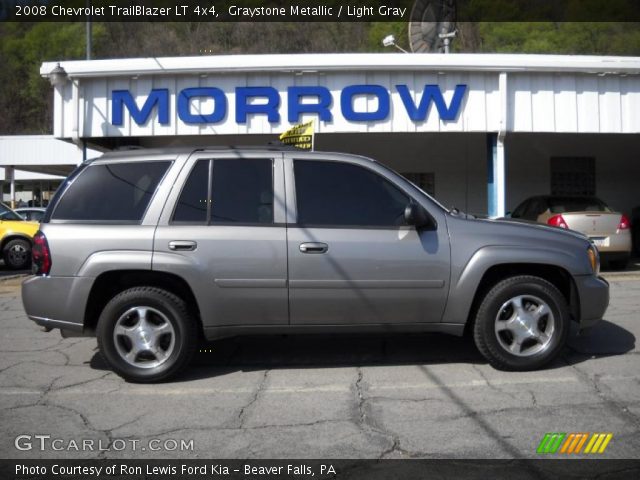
x,y
594,259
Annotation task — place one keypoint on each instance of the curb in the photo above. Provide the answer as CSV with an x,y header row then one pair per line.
x,y
13,277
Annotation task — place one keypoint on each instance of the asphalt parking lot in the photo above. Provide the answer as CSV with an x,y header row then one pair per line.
x,y
376,396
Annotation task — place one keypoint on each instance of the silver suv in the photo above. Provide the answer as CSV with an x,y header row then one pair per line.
x,y
153,250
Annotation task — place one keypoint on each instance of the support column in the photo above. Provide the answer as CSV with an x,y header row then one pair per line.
x,y
496,155
495,175
10,175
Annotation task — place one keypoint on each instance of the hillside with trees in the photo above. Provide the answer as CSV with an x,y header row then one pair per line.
x,y
26,98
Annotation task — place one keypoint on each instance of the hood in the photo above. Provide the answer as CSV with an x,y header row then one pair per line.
x,y
537,226
484,231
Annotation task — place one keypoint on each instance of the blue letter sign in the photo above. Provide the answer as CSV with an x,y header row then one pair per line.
x,y
432,93
295,95
219,105
346,103
267,102
270,109
159,97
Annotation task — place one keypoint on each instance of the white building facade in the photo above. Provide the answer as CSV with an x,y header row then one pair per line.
x,y
481,132
32,167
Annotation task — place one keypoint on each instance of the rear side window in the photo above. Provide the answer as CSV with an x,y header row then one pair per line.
x,y
241,193
192,204
111,192
342,194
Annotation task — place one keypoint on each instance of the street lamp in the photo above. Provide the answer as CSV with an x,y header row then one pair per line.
x,y
390,41
57,76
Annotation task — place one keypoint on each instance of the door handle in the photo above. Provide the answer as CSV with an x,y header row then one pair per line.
x,y
183,245
314,247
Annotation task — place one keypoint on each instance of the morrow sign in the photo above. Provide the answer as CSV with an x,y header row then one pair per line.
x,y
267,101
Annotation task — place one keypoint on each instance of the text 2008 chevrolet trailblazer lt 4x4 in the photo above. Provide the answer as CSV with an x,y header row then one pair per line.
x,y
152,250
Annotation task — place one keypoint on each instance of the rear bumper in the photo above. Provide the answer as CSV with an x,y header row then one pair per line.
x,y
593,294
619,243
57,302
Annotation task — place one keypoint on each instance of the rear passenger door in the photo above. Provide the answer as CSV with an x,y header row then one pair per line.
x,y
352,257
223,231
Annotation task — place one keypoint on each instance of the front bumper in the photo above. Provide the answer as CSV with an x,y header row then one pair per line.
x,y
593,295
57,302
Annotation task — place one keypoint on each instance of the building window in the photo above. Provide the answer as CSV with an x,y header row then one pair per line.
x,y
425,180
573,176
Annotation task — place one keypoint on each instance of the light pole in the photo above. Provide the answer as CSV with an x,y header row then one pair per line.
x,y
88,30
446,38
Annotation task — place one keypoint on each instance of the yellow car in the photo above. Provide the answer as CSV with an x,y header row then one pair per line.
x,y
15,238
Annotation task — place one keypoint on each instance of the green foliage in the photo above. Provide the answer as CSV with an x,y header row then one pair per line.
x,y
26,98
588,38
26,101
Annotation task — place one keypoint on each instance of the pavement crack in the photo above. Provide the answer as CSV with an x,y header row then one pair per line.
x,y
84,382
491,385
613,405
242,413
367,422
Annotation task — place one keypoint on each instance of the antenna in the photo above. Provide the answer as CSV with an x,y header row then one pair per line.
x,y
432,25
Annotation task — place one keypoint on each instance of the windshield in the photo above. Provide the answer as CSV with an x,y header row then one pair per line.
x,y
577,204
7,214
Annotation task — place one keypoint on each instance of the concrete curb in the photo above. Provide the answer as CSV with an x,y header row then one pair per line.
x,y
13,277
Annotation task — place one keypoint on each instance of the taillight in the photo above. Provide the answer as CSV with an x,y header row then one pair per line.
x,y
624,223
40,255
557,221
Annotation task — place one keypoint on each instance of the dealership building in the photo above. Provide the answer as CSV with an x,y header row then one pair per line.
x,y
481,132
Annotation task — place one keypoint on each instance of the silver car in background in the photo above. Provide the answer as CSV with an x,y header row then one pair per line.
x,y
153,250
610,231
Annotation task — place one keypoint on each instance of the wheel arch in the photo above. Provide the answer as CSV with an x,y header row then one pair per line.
x,y
554,274
110,283
14,236
490,264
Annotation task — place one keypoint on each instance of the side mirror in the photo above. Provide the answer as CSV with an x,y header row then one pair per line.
x,y
417,216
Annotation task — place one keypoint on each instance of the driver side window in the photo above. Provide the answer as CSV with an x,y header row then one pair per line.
x,y
335,194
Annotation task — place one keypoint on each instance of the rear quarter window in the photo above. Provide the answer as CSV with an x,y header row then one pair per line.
x,y
577,204
116,192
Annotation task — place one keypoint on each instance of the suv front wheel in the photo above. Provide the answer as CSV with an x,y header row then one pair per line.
x,y
522,323
146,334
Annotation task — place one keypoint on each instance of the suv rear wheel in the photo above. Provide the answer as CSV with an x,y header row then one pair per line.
x,y
146,334
522,323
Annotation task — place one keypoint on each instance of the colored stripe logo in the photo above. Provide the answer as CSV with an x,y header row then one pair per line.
x,y
555,442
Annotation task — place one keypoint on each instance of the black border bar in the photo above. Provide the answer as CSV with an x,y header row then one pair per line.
x,y
318,10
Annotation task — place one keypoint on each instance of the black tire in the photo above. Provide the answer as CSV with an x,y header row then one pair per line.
x,y
531,289
17,254
167,306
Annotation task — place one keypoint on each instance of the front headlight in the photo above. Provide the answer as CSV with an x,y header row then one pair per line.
x,y
594,259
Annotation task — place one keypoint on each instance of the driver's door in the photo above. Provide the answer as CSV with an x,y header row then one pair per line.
x,y
352,257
